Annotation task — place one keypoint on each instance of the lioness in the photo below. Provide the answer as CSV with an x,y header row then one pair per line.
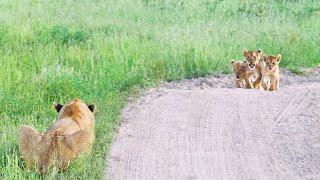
x,y
69,136
270,72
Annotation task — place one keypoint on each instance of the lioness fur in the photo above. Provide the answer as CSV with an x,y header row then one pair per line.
x,y
69,136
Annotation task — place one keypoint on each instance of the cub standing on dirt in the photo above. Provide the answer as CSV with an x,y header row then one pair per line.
x,y
248,72
253,72
69,136
239,69
270,72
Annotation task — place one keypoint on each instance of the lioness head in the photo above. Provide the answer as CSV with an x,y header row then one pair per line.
x,y
238,68
252,57
272,61
75,108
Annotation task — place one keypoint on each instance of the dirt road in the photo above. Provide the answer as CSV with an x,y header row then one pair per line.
x,y
206,129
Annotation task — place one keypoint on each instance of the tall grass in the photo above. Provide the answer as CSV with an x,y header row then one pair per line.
x,y
102,52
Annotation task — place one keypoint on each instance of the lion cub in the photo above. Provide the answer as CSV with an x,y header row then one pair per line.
x,y
239,69
270,72
69,136
253,71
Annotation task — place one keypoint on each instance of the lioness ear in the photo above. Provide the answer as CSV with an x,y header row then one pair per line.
x,y
91,107
57,106
278,57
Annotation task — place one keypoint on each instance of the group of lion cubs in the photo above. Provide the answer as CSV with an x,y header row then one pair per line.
x,y
257,71
72,133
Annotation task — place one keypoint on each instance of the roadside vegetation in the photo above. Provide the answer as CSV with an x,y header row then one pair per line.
x,y
103,52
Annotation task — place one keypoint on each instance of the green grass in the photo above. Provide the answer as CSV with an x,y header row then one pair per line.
x,y
102,52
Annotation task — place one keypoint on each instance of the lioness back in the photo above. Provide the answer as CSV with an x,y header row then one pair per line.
x,y
73,116
69,136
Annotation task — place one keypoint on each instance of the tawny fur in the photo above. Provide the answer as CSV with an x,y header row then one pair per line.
x,y
270,72
239,69
253,72
69,136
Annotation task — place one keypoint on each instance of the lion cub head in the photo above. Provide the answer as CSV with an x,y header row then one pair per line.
x,y
252,57
272,61
238,68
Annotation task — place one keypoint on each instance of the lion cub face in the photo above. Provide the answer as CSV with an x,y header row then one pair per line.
x,y
272,61
252,57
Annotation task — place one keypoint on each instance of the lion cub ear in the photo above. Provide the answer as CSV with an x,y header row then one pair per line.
x,y
263,58
91,107
232,62
57,106
259,51
245,52
278,57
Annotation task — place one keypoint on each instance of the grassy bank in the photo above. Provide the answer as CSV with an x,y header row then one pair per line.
x,y
102,51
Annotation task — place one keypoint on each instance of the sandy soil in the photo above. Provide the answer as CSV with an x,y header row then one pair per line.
x,y
206,129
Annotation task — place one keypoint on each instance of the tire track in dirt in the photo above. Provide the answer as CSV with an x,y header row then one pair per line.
x,y
220,133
